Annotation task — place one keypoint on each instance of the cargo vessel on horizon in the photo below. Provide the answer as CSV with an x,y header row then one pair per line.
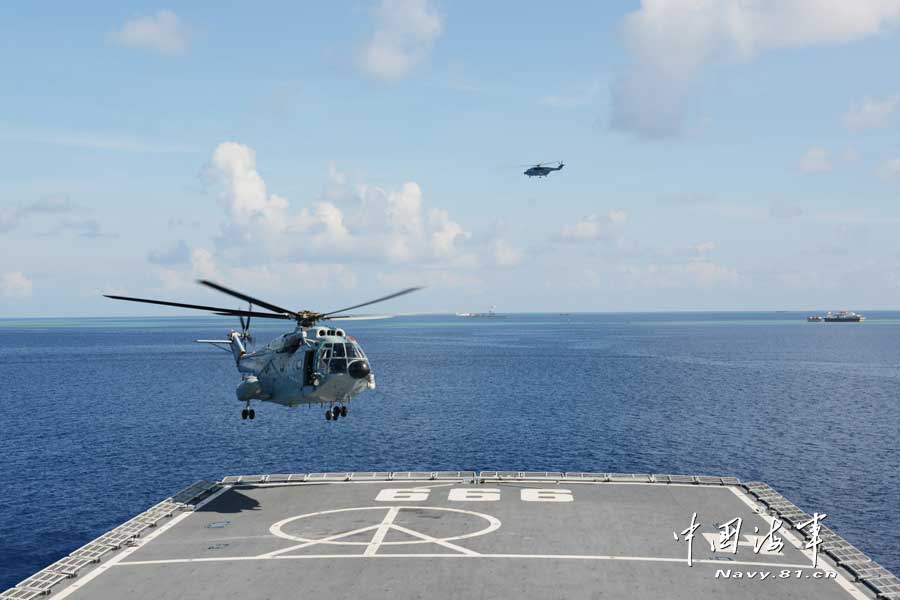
x,y
844,316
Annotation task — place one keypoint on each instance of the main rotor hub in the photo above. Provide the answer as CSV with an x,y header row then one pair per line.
x,y
307,318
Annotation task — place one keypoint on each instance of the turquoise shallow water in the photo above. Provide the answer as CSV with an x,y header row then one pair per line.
x,y
103,417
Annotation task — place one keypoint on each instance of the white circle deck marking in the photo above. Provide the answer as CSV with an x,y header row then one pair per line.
x,y
392,511
380,528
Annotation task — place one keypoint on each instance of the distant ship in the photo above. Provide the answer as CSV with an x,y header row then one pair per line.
x,y
843,316
490,314
814,318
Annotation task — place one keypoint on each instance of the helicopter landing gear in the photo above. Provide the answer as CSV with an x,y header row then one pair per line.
x,y
333,413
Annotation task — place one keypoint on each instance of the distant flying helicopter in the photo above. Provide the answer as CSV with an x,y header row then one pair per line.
x,y
309,365
539,170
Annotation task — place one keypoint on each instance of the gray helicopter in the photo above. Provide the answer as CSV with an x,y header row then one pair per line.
x,y
539,170
310,365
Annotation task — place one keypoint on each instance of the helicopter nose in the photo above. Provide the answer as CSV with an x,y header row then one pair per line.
x,y
359,369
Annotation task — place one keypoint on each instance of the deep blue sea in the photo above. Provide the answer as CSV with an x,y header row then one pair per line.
x,y
102,418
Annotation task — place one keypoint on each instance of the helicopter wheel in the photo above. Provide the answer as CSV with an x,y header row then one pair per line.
x,y
328,415
251,414
244,414
343,411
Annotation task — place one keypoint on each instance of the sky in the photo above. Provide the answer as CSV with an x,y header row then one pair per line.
x,y
720,155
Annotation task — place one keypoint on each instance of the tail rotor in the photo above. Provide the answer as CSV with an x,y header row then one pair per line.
x,y
245,326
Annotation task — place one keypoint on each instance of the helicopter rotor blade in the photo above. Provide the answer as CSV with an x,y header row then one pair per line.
x,y
394,295
230,312
357,317
216,309
246,298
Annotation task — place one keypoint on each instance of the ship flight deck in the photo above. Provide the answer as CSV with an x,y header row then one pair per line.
x,y
465,534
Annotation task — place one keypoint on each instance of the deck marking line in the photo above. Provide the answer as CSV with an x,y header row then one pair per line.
x,y
277,529
679,560
330,538
386,524
434,540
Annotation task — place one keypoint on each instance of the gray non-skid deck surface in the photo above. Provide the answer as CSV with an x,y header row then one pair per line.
x,y
611,541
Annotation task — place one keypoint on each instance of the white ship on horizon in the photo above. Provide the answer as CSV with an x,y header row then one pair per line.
x,y
490,314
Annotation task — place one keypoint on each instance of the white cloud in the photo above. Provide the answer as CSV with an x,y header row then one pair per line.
x,y
86,228
15,285
10,218
272,280
176,254
870,113
889,169
592,227
204,264
162,32
405,32
704,247
253,216
349,223
816,160
446,234
617,216
671,41
505,254
850,155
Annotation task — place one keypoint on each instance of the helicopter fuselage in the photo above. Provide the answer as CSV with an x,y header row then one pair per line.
x,y
307,366
541,171
310,365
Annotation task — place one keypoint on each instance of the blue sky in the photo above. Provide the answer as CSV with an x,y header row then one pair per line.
x,y
720,154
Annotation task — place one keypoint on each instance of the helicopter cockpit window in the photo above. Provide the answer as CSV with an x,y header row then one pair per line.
x,y
324,356
336,357
338,362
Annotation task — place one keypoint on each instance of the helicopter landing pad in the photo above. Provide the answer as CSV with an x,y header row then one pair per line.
x,y
490,535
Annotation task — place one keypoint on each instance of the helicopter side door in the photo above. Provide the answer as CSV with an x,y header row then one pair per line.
x,y
309,360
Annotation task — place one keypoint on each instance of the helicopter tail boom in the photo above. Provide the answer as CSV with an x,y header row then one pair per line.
x,y
234,344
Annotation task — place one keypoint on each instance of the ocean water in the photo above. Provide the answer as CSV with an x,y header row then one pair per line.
x,y
102,418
